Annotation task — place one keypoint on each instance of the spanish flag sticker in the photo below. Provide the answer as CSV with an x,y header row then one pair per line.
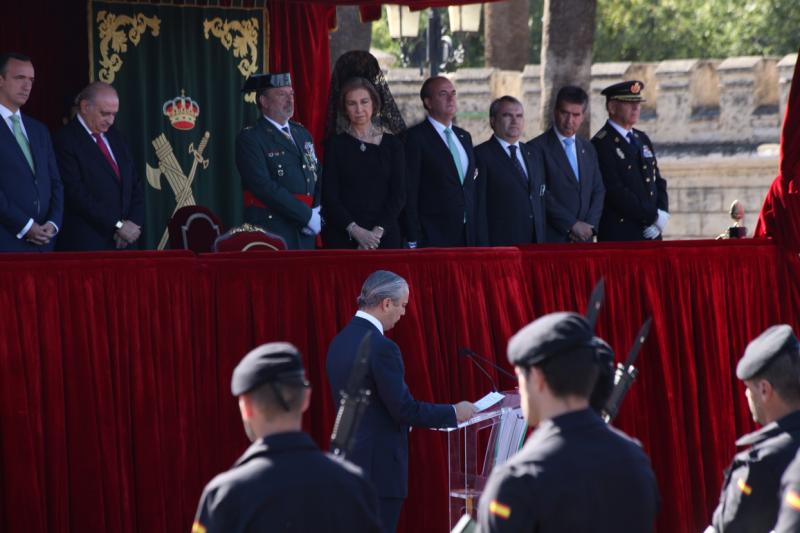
x,y
793,500
744,487
197,527
499,509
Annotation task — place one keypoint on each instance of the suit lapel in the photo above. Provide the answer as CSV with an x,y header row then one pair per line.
x,y
116,146
278,136
560,155
469,172
12,141
622,143
90,147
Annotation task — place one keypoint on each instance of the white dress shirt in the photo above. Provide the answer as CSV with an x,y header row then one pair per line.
x,y
439,127
102,136
505,146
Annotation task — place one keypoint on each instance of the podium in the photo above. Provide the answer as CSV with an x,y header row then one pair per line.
x,y
503,429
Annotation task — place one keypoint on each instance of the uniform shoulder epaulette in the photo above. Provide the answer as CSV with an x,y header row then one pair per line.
x,y
600,134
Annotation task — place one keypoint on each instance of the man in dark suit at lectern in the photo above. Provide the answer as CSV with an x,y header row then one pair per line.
x,y
381,443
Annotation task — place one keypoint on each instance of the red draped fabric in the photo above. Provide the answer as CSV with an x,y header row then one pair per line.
x,y
115,403
780,215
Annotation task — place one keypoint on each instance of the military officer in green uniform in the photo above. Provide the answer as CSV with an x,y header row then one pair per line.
x,y
636,205
278,166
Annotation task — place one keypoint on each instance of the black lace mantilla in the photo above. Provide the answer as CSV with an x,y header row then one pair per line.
x,y
358,63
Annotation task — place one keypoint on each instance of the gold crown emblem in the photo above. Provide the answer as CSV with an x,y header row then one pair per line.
x,y
636,88
182,112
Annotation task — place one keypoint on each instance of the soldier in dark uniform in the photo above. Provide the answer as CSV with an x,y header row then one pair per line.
x,y
278,166
789,515
283,482
770,369
575,473
636,206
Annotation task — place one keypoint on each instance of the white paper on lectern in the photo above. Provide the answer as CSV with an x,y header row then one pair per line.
x,y
488,401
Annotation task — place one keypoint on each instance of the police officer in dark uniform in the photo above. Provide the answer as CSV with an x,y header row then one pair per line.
x,y
575,473
283,482
278,166
636,205
770,369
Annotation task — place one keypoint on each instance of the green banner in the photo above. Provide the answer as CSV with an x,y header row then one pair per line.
x,y
179,72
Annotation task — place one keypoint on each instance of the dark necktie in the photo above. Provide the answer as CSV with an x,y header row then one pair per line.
x,y
103,148
512,150
288,134
634,141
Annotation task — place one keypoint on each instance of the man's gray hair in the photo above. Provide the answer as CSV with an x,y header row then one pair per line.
x,y
91,91
494,107
380,285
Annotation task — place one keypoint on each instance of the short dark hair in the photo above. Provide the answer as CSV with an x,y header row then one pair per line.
x,y
572,94
6,56
275,398
360,83
573,374
783,373
494,107
425,90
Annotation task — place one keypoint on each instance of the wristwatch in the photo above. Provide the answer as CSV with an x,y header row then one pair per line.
x,y
119,224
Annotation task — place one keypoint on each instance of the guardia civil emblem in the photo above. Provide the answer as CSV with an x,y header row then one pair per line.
x,y
182,113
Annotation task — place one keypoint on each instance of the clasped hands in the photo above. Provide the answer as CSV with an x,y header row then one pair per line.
x,y
366,239
126,235
657,228
41,235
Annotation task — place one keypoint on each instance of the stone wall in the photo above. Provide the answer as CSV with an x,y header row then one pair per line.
x,y
715,124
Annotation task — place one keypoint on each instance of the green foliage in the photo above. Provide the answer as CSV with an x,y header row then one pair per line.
x,y
381,39
652,30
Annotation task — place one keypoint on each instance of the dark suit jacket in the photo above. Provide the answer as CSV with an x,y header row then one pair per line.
x,y
274,169
381,447
568,200
635,189
94,199
437,201
23,194
515,207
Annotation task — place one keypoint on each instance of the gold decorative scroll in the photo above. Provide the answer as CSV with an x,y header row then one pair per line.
x,y
112,35
245,44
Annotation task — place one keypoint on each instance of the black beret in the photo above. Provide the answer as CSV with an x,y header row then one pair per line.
x,y
627,91
271,362
550,336
267,81
764,348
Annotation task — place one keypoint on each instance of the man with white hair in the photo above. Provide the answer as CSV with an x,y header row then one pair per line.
x,y
381,443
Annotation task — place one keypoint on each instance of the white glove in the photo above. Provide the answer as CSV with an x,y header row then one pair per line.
x,y
661,221
314,223
651,232
412,244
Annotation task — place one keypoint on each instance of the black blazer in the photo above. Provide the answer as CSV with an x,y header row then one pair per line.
x,y
381,444
635,189
515,208
568,200
94,199
437,202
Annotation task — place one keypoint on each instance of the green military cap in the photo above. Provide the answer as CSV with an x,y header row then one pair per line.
x,y
762,350
267,81
626,91
274,362
555,335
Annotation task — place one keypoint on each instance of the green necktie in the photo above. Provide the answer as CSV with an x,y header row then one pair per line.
x,y
22,140
454,151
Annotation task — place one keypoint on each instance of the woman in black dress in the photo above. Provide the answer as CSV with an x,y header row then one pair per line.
x,y
363,185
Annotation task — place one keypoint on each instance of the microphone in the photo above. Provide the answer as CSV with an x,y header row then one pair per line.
x,y
466,352
469,354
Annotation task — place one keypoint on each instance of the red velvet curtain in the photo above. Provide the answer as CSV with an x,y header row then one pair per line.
x,y
115,403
